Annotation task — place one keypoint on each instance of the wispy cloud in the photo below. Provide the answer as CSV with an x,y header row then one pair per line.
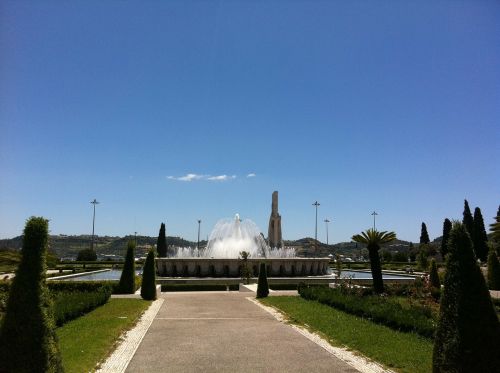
x,y
251,175
194,177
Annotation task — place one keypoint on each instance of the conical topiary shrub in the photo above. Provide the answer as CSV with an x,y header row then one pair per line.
x,y
434,276
262,285
127,278
28,341
493,271
148,287
468,330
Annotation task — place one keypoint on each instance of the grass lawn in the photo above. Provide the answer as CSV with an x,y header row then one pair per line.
x,y
404,352
88,340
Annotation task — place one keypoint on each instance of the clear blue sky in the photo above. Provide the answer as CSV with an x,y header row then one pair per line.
x,y
391,106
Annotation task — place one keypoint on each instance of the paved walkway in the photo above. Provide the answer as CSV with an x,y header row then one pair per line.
x,y
224,332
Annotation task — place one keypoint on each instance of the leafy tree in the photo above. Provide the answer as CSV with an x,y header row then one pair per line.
x,y
422,261
161,243
412,252
495,230
446,236
386,255
468,220
468,328
373,239
86,255
424,236
127,278
434,276
262,285
400,256
479,238
244,269
493,271
28,342
148,286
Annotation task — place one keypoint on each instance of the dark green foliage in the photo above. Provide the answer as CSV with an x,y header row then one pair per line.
x,y
446,236
412,252
148,288
161,243
379,309
479,238
422,261
86,255
424,236
468,331
400,256
262,286
468,220
493,271
28,342
127,278
495,230
386,255
244,268
434,276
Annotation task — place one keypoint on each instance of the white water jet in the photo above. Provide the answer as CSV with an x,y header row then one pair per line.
x,y
232,236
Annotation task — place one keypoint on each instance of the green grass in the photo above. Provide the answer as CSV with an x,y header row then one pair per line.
x,y
404,352
88,340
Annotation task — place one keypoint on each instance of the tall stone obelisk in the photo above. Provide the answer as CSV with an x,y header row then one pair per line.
x,y
274,232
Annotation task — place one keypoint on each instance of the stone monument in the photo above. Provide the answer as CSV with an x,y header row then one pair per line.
x,y
274,233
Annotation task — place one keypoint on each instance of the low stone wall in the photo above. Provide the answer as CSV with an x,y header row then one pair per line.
x,y
211,267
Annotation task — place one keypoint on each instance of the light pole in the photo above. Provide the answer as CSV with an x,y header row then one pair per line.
x,y
374,213
94,202
326,223
198,245
316,204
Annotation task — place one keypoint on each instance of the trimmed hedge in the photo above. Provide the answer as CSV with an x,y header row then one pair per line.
x,y
190,287
378,309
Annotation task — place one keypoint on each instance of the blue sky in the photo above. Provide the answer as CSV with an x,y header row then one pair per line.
x,y
391,106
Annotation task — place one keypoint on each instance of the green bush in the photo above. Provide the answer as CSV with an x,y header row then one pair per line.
x,y
377,308
148,288
262,285
434,276
127,278
468,330
87,255
493,271
28,342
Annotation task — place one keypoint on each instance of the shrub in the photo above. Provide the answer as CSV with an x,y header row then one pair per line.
x,y
28,342
127,278
379,309
422,261
434,276
86,255
468,330
161,242
148,288
262,285
493,271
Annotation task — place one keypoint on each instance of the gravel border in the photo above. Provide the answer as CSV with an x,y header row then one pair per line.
x,y
359,362
118,361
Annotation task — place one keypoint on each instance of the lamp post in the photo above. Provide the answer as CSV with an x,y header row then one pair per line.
x,y
198,245
326,223
316,204
94,202
374,213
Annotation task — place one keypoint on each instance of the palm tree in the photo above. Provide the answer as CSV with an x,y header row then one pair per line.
x,y
373,239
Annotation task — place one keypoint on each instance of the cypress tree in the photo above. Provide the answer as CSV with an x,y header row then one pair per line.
x,y
468,220
493,271
495,230
468,325
148,287
446,236
161,243
28,342
479,237
127,278
262,286
434,276
424,236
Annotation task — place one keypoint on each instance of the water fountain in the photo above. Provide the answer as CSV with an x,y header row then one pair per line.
x,y
221,256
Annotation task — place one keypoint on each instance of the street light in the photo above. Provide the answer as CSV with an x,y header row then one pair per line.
x,y
198,245
374,215
94,202
326,223
316,204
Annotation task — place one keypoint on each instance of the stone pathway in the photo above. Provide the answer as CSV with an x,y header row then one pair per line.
x,y
224,332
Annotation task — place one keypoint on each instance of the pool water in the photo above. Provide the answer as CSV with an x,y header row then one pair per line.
x,y
368,275
111,275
